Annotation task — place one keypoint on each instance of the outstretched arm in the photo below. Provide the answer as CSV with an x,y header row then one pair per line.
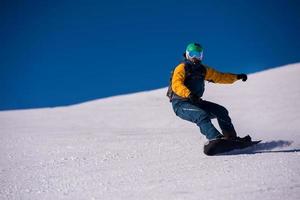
x,y
214,76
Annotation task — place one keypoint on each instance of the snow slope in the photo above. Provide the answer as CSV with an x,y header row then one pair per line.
x,y
134,147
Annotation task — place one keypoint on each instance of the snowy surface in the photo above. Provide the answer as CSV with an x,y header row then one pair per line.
x,y
134,147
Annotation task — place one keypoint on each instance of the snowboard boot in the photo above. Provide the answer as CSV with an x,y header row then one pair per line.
x,y
229,134
247,138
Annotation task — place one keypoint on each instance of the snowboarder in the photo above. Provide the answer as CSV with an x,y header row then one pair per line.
x,y
187,87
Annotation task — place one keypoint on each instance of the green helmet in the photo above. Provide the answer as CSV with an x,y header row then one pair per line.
x,y
194,51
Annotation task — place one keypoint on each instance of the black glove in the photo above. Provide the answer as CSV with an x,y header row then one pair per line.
x,y
242,76
193,98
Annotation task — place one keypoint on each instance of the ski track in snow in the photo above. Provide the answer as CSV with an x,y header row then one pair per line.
x,y
134,147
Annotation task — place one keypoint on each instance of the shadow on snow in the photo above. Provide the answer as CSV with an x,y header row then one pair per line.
x,y
265,147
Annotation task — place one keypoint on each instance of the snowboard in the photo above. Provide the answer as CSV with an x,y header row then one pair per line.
x,y
219,146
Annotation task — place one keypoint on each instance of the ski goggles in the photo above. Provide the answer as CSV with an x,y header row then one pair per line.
x,y
196,54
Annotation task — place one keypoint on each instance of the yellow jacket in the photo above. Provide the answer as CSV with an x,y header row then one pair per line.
x,y
178,79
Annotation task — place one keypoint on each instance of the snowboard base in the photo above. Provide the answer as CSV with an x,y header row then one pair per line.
x,y
219,146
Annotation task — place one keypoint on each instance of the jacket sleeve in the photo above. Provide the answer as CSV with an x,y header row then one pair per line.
x,y
178,78
214,76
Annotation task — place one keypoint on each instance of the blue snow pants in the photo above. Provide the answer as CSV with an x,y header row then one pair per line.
x,y
201,114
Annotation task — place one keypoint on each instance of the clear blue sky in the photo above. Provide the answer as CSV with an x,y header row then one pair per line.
x,y
60,52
